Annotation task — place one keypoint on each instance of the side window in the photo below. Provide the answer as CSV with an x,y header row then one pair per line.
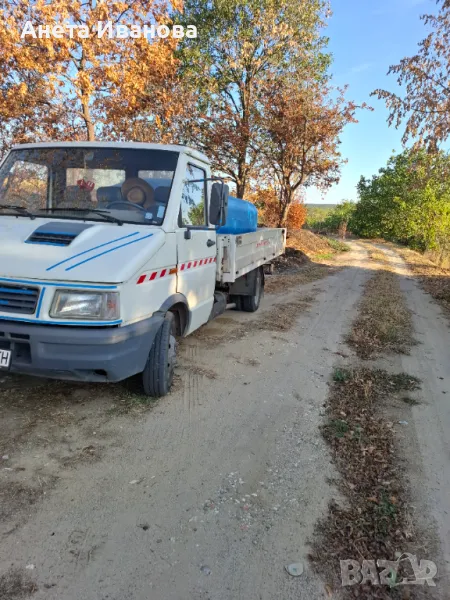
x,y
193,197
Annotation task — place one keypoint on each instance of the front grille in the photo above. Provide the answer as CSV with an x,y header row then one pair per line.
x,y
18,298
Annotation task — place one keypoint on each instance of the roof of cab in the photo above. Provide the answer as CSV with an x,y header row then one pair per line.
x,y
131,145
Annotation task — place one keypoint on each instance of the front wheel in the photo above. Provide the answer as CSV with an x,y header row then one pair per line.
x,y
157,376
251,303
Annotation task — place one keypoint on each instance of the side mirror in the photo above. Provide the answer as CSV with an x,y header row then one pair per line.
x,y
218,206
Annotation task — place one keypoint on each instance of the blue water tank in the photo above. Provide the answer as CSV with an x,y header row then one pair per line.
x,y
242,217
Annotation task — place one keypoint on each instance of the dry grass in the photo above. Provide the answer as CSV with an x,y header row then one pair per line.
x,y
310,243
203,372
15,496
16,585
374,521
306,259
373,518
384,322
280,317
307,274
434,279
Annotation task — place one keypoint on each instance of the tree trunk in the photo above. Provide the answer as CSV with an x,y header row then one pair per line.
x,y
244,126
87,118
240,188
285,203
85,99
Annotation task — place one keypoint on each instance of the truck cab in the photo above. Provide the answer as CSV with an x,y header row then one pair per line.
x,y
108,253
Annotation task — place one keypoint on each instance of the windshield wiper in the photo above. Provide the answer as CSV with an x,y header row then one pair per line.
x,y
21,210
96,211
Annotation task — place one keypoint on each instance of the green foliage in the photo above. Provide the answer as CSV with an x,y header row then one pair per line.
x,y
242,46
340,217
340,375
335,220
408,201
340,427
338,245
196,214
316,215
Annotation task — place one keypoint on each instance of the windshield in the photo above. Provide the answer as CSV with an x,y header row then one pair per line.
x,y
130,185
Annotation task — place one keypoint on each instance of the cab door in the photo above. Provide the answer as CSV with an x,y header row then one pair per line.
x,y
196,243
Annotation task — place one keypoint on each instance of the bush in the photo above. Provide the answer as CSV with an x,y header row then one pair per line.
x,y
266,202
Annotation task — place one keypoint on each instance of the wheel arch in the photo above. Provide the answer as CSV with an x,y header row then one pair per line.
x,y
178,305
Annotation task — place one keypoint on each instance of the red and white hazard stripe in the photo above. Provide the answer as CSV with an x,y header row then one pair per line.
x,y
160,273
192,264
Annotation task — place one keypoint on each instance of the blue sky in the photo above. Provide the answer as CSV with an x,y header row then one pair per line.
x,y
365,38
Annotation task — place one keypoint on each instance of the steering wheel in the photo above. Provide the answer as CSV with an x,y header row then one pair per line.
x,y
127,204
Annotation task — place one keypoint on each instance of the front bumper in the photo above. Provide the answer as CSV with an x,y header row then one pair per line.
x,y
79,353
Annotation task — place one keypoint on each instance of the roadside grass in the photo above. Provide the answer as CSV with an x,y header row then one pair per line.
x,y
377,255
338,245
373,520
324,256
305,260
131,398
280,317
306,273
410,401
16,585
384,322
340,374
434,279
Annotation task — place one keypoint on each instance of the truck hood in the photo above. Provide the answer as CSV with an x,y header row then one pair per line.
x,y
63,250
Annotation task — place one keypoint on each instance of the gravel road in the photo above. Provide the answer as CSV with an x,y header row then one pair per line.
x,y
215,490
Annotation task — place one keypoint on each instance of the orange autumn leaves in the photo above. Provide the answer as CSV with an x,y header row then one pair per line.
x,y
251,92
80,88
267,202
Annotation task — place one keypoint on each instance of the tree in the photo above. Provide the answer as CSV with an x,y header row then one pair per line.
x,y
425,105
266,201
408,201
83,84
242,43
316,216
298,142
340,218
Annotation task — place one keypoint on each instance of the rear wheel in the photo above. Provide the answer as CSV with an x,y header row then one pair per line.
x,y
157,377
251,303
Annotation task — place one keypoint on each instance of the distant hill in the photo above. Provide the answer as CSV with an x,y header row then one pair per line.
x,y
317,205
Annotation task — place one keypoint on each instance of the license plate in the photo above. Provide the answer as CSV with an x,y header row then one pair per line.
x,y
5,359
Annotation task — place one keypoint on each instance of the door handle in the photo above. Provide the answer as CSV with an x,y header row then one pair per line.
x,y
210,243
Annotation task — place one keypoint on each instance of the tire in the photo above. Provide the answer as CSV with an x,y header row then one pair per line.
x,y
251,303
157,377
238,301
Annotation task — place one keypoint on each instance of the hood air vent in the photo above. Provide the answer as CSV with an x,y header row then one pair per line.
x,y
57,233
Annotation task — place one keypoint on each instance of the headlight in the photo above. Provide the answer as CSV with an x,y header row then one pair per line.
x,y
101,306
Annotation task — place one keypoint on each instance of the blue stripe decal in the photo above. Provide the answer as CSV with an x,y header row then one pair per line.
x,y
92,249
79,323
4,302
62,284
108,251
38,310
13,291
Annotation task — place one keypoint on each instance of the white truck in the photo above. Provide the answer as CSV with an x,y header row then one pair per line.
x,y
109,252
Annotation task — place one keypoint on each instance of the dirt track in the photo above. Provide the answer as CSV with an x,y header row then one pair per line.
x,y
214,490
